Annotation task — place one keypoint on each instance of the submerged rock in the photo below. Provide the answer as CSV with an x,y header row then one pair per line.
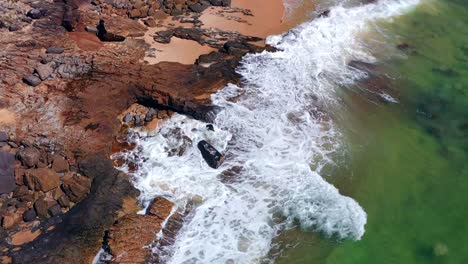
x,y
213,157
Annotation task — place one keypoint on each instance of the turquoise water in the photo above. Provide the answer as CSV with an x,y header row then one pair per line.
x,y
407,163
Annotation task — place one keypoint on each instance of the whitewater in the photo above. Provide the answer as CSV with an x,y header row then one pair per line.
x,y
277,137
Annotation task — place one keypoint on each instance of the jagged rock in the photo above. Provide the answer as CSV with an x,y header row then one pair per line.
x,y
163,36
160,207
20,191
150,22
44,71
60,164
7,177
64,201
76,187
55,210
212,157
42,206
29,215
29,156
42,179
32,80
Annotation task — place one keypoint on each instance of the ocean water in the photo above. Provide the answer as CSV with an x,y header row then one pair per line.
x,y
407,161
317,169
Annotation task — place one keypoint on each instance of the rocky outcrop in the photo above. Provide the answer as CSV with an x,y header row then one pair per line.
x,y
211,37
129,236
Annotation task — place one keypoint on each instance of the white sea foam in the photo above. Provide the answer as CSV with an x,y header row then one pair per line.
x,y
275,133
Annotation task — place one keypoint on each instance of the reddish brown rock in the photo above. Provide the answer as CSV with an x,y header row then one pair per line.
x,y
129,236
11,219
76,187
24,236
19,176
160,207
60,164
42,179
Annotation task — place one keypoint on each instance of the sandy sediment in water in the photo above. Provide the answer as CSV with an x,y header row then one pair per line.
x,y
260,18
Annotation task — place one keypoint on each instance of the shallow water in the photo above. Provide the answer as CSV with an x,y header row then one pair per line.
x,y
406,163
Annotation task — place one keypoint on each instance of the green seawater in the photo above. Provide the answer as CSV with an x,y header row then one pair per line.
x,y
407,163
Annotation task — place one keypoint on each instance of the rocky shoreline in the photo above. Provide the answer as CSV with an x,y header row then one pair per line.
x,y
66,97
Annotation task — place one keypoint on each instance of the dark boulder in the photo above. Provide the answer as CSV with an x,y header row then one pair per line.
x,y
35,13
13,28
103,35
198,8
29,215
7,176
212,157
32,80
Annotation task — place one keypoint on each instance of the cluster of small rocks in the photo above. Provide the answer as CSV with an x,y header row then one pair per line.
x,y
138,115
53,63
14,17
37,182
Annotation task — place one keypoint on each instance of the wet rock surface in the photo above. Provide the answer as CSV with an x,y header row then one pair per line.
x,y
129,236
212,157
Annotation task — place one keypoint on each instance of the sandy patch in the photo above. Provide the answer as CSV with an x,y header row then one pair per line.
x,y
7,117
260,18
178,50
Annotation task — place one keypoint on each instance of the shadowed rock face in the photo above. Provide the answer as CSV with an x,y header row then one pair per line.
x,y
7,178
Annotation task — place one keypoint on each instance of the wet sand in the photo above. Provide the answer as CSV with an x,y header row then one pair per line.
x,y
260,18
